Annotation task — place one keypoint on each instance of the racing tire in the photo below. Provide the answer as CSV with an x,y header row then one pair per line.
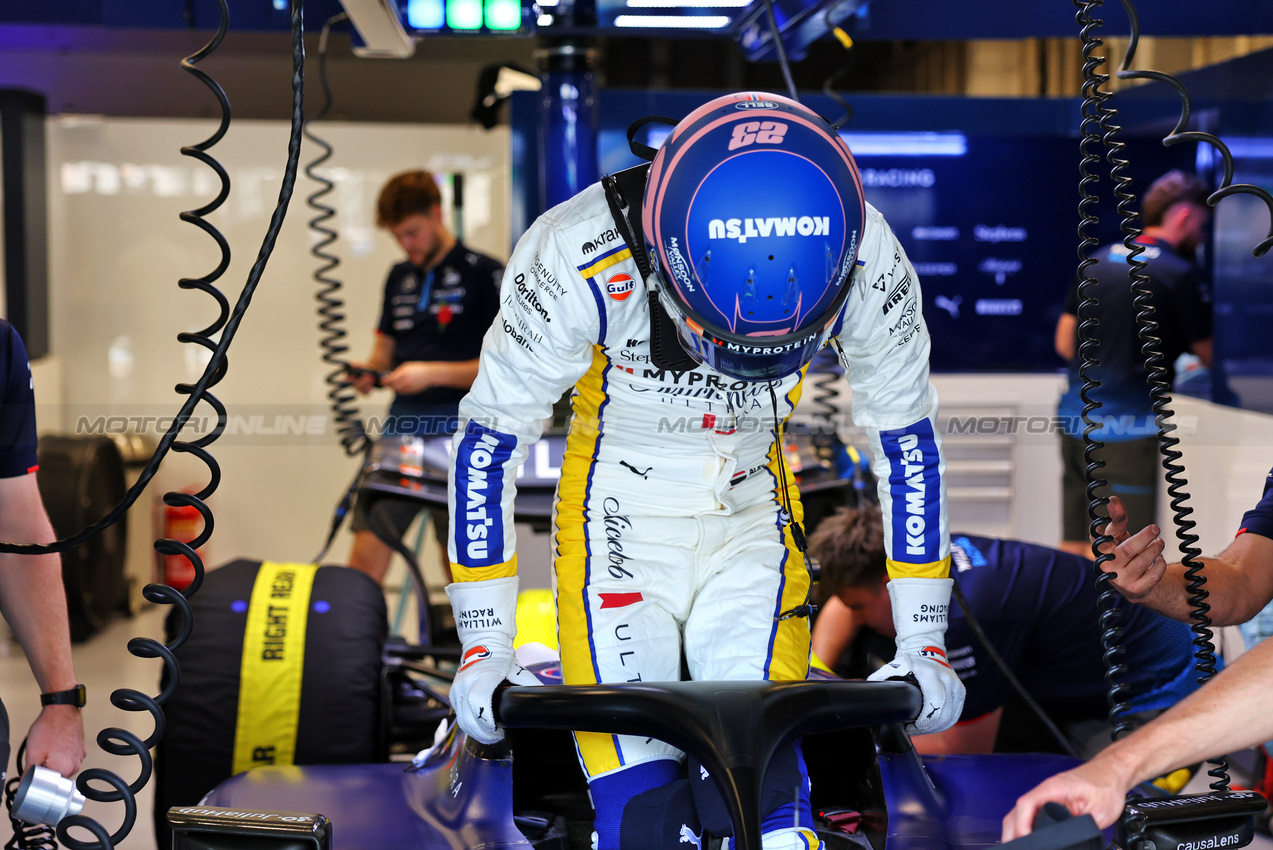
x,y
81,479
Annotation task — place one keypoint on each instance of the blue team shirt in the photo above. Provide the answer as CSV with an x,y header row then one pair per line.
x,y
439,314
1038,607
17,406
1259,520
1183,313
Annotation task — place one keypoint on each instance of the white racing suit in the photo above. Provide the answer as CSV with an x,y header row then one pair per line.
x,y
670,529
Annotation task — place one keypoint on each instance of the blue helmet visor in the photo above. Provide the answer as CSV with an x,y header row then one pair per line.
x,y
747,359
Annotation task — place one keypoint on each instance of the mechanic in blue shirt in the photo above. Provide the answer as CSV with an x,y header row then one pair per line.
x,y
31,594
1176,218
438,304
1037,606
1229,713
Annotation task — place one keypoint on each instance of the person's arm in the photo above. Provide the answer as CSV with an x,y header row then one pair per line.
x,y
966,737
33,602
1228,713
418,375
1066,341
526,365
833,631
884,347
1239,579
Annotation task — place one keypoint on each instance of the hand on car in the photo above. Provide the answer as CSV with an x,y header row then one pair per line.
x,y
1096,788
1138,563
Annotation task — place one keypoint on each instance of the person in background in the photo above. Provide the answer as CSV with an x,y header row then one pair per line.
x,y
438,303
1038,608
1176,219
32,598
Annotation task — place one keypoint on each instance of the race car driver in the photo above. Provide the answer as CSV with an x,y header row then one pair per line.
x,y
677,522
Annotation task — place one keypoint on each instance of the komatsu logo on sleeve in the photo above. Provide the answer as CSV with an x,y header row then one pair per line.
x,y
916,491
479,489
743,229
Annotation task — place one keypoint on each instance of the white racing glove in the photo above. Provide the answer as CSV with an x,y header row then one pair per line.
x,y
919,615
486,619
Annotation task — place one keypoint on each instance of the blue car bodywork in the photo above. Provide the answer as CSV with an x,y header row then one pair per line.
x,y
870,786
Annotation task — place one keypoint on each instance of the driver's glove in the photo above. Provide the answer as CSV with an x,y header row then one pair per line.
x,y
486,619
919,615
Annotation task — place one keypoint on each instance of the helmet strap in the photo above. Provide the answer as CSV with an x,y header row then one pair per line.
x,y
622,188
640,149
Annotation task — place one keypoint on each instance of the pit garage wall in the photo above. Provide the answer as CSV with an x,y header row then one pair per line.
x,y
116,187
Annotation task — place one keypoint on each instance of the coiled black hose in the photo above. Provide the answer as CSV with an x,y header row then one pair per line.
x,y
118,741
1151,346
1091,132
349,425
331,316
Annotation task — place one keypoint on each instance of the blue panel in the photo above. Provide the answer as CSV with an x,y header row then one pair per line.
x,y
41,11
467,804
941,19
965,803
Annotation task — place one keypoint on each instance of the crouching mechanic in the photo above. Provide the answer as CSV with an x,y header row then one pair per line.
x,y
1038,607
677,524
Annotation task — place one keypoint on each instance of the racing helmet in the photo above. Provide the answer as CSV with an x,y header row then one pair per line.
x,y
753,214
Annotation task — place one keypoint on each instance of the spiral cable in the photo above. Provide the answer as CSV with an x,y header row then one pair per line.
x,y
117,741
1151,347
349,425
1092,112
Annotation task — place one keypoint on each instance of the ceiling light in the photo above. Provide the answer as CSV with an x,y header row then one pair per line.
x,y
673,21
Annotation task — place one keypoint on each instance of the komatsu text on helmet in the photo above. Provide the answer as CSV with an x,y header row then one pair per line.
x,y
753,214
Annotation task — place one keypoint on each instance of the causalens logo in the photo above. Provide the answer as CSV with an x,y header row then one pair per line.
x,y
915,488
479,489
742,229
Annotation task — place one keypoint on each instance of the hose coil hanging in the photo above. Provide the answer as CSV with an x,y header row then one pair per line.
x,y
1151,343
349,425
1092,112
116,741
121,742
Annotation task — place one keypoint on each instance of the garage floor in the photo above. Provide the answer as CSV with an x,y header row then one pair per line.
x,y
104,664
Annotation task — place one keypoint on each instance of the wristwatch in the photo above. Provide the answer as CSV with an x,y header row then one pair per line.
x,y
76,696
